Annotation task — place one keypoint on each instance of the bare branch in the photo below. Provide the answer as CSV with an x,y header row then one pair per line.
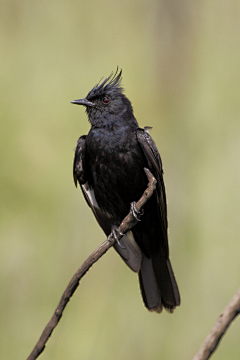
x,y
212,340
128,222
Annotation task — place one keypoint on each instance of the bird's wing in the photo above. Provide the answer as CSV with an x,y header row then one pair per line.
x,y
157,281
128,250
78,170
155,166
79,175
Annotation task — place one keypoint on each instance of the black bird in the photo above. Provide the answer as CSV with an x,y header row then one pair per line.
x,y
109,166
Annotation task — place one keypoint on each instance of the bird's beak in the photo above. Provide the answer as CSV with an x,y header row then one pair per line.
x,y
84,102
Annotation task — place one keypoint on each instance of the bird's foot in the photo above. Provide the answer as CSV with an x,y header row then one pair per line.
x,y
114,235
135,213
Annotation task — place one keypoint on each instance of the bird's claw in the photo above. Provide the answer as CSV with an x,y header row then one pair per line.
x,y
135,213
114,234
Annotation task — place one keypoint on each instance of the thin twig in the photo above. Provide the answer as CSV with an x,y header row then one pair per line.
x,y
128,222
211,342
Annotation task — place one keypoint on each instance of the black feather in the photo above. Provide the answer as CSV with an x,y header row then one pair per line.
x,y
111,84
109,165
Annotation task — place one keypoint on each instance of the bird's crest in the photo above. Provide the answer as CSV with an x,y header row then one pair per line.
x,y
110,84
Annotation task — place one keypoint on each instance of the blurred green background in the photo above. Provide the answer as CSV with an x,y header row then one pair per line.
x,y
181,70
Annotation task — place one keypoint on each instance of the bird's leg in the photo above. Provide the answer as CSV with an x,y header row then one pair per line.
x,y
134,212
114,234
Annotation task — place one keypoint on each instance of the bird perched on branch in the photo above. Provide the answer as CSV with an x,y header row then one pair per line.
x,y
109,166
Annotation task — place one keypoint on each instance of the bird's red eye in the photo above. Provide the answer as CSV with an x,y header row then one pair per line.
x,y
106,100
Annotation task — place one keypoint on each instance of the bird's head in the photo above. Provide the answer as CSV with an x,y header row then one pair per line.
x,y
105,103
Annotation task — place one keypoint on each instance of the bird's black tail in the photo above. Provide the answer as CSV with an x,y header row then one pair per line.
x,y
158,284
